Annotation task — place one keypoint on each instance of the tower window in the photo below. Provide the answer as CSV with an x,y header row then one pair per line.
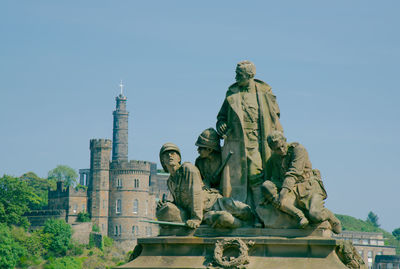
x,y
118,206
136,183
135,206
146,207
119,183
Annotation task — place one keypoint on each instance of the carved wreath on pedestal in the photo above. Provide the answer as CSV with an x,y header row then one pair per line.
x,y
223,261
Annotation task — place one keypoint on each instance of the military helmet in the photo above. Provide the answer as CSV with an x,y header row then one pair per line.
x,y
209,138
168,147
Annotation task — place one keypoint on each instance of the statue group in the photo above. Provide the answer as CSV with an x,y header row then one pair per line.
x,y
257,179
255,202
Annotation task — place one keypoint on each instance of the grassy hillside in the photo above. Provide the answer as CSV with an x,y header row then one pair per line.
x,y
352,224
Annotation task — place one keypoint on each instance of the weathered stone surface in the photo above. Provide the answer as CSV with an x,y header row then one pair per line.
x,y
263,252
191,201
248,114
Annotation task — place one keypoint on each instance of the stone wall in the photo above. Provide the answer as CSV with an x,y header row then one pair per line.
x,y
81,232
37,218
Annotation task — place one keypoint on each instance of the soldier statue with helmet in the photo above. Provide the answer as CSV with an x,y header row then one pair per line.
x,y
209,160
191,202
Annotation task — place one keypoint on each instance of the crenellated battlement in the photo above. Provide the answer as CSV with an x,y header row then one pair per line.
x,y
100,143
61,192
130,165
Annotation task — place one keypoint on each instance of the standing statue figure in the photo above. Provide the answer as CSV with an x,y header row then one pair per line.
x,y
191,202
293,186
209,160
249,113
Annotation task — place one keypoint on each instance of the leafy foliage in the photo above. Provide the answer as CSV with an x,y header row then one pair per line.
x,y
15,198
64,263
108,241
373,219
95,228
10,250
64,173
83,217
60,235
40,187
396,233
352,224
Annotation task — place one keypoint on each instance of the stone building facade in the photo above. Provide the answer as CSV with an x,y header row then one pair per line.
x,y
387,262
369,245
118,193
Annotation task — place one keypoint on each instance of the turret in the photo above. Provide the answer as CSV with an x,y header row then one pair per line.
x,y
98,189
120,129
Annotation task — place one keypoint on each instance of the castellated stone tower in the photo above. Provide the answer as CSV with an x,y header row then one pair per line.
x,y
98,189
120,130
130,201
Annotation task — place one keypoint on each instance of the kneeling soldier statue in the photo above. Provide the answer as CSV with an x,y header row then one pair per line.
x,y
293,186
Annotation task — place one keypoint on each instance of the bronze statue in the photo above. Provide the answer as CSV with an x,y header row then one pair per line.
x,y
293,186
191,200
248,114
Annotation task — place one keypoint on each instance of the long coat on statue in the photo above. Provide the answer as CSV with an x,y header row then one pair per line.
x,y
234,178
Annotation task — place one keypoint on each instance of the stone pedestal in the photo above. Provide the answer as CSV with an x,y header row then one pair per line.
x,y
248,248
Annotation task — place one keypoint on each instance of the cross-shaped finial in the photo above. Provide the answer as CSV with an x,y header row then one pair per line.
x,y
122,87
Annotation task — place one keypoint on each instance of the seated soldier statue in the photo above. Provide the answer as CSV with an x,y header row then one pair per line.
x,y
293,186
209,160
191,200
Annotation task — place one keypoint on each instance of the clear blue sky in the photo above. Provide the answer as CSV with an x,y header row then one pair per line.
x,y
334,66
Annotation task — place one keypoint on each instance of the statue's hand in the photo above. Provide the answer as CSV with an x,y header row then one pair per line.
x,y
160,204
193,223
222,128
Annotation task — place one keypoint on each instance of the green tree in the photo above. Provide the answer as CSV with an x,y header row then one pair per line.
x,y
60,235
64,173
10,250
83,217
40,187
396,233
373,219
15,197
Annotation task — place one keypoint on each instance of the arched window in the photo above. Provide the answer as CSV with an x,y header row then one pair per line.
x,y
135,206
118,206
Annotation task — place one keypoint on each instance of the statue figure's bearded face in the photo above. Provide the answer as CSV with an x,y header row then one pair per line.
x,y
242,77
171,158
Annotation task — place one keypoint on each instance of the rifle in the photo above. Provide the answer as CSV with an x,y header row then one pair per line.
x,y
165,223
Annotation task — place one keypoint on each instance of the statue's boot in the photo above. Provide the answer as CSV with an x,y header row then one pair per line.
x,y
335,223
295,212
222,219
